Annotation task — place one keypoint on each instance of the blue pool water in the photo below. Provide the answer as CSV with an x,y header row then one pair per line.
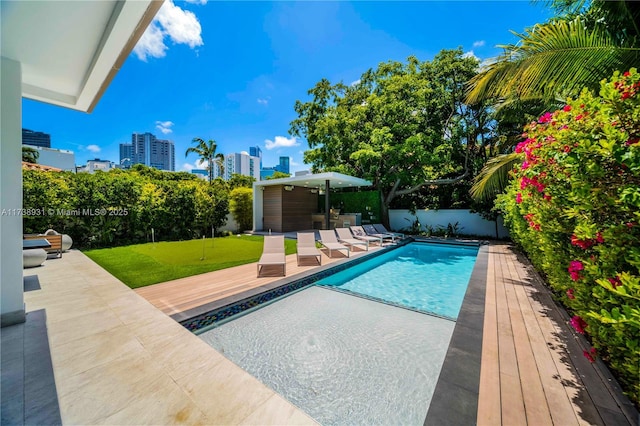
x,y
427,277
350,360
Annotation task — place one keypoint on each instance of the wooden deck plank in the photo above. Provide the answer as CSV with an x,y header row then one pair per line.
x,y
512,402
489,411
536,409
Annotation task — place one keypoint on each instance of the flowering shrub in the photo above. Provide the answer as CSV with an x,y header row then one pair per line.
x,y
574,207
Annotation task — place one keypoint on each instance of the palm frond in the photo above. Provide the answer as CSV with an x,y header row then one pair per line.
x,y
494,176
559,57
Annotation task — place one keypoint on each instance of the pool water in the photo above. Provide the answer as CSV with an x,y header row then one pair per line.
x,y
343,360
427,277
353,360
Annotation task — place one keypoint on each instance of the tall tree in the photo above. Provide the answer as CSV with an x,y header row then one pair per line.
x,y
207,152
402,126
29,154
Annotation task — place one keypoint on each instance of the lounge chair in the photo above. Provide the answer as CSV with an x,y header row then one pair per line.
x,y
346,237
306,247
330,242
372,231
273,253
359,233
382,230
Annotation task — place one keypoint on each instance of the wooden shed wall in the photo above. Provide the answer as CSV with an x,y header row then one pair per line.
x,y
272,208
297,207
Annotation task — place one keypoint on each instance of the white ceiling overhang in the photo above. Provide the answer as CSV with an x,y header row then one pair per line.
x,y
336,180
70,51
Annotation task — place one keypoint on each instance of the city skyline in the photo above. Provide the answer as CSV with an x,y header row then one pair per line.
x,y
232,71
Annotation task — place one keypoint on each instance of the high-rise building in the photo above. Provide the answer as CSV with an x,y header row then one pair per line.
x,y
242,164
146,149
29,137
59,158
255,151
284,165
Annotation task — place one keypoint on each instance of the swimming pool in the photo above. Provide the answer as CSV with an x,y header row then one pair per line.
x,y
427,277
345,359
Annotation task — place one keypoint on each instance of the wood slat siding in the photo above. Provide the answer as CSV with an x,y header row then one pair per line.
x,y
272,208
297,207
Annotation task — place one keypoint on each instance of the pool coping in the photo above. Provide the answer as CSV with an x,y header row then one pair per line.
x,y
458,385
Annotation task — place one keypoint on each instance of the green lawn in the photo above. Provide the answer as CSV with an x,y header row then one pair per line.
x,y
145,264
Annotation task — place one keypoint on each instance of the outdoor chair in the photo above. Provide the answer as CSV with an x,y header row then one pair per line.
x,y
346,237
359,233
330,242
273,253
382,230
306,247
372,231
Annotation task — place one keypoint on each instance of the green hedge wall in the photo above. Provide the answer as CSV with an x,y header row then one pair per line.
x,y
574,207
365,202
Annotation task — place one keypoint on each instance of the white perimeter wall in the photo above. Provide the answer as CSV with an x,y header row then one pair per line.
x,y
468,223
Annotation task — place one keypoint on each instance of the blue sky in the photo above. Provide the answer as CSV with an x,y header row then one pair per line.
x,y
232,71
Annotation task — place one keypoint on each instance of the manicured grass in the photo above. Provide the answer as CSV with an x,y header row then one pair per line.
x,y
145,264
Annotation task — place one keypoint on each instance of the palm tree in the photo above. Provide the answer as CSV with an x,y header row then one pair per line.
x,y
207,152
555,60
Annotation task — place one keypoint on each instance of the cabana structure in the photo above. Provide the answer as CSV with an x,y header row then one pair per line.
x,y
291,204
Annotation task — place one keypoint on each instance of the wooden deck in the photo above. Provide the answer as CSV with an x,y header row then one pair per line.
x,y
532,368
184,294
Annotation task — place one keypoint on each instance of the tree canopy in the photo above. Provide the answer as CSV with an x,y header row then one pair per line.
x,y
207,152
402,125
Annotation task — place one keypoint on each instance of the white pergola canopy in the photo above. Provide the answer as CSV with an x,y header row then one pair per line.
x,y
70,50
336,180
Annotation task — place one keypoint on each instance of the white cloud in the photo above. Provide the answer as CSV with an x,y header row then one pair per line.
x,y
93,148
281,142
354,83
164,126
293,163
181,26
263,101
478,43
470,54
202,2
198,164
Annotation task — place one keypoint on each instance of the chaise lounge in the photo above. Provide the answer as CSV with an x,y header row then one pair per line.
x,y
330,242
346,237
273,253
306,247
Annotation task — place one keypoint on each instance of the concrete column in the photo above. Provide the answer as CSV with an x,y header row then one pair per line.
x,y
11,285
258,197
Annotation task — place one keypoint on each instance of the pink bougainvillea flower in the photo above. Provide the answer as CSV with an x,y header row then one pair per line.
x,y
578,324
524,166
576,265
599,238
590,355
615,282
575,276
632,141
518,198
570,294
626,74
545,118
566,149
579,117
567,108
630,224
547,197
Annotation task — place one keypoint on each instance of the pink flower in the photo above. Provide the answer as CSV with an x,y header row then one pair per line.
x,y
599,238
615,282
545,118
570,294
547,197
575,276
591,355
567,108
524,166
626,74
632,141
579,117
576,265
578,324
518,198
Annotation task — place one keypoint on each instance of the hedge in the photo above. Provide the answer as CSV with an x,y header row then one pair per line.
x,y
574,207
